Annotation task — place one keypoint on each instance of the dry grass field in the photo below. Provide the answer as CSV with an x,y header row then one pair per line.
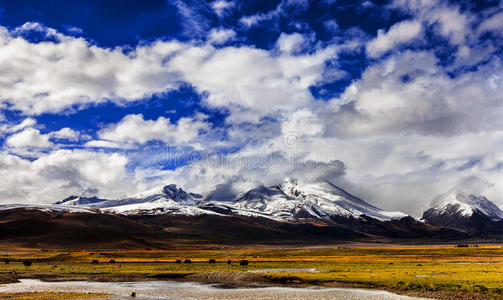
x,y
437,271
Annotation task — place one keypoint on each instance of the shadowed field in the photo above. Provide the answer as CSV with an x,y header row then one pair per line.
x,y
442,272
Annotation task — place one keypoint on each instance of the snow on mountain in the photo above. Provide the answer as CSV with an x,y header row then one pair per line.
x,y
79,200
290,200
169,199
464,205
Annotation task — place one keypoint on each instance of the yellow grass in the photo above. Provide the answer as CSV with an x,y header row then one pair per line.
x,y
474,270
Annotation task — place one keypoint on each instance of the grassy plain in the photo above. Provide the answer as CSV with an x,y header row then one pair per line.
x,y
437,271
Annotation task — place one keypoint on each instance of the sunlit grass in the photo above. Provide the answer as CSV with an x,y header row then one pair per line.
x,y
472,270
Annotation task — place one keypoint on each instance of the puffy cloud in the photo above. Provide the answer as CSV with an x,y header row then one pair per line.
x,y
290,43
452,23
222,7
134,129
221,36
284,80
72,73
29,138
411,93
67,134
53,176
446,19
492,24
10,128
300,123
399,34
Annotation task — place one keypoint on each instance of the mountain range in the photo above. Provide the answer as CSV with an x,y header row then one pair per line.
x,y
290,212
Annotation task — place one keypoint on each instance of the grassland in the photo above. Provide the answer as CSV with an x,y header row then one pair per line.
x,y
443,272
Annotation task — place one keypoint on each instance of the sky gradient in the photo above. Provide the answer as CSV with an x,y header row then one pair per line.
x,y
396,101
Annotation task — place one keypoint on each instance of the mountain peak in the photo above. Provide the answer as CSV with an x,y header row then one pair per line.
x,y
466,205
321,200
79,200
174,192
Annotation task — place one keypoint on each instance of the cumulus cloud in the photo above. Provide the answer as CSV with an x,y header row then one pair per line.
x,y
134,129
221,36
284,80
290,43
446,19
399,34
67,134
10,128
29,137
52,176
411,93
73,72
300,123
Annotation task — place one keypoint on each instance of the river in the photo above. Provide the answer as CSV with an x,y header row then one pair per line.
x,y
191,290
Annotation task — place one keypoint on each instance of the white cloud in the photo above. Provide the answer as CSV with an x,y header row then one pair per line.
x,y
492,24
104,144
66,134
446,19
29,137
300,123
452,23
290,43
10,128
73,73
55,176
269,84
134,129
399,34
222,7
221,36
293,6
411,93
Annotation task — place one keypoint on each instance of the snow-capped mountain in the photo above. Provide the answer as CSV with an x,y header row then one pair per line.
x,y
80,200
462,210
464,206
291,201
169,199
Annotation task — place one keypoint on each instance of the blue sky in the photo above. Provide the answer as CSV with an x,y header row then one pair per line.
x,y
398,101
